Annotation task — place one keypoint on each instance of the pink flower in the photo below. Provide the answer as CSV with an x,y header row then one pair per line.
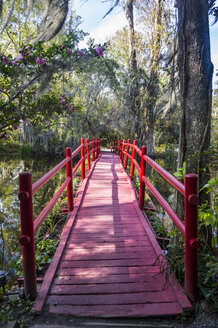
x,y
27,47
99,51
40,61
20,57
15,127
5,60
70,52
47,122
80,53
62,47
14,63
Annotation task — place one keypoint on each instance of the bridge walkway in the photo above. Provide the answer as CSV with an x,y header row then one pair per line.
x,y
107,263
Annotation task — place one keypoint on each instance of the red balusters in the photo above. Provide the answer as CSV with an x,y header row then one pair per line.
x,y
27,239
93,148
127,152
70,184
133,157
122,151
83,169
98,146
191,235
142,184
88,152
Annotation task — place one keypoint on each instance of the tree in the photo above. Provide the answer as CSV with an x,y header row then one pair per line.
x,y
195,71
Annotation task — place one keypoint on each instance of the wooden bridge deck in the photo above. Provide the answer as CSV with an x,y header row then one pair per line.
x,y
104,265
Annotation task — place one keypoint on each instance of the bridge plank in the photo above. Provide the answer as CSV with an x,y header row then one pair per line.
x,y
104,279
129,310
106,271
110,288
132,298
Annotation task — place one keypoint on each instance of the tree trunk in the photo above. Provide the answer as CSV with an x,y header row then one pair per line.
x,y
195,71
153,85
133,92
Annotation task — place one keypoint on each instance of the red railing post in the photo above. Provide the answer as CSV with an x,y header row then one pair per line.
x,y
27,239
70,184
83,165
99,146
122,152
88,152
142,184
116,144
97,142
133,157
93,148
191,235
127,152
119,148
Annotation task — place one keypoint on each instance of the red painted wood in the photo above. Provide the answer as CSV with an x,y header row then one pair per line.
x,y
130,310
137,298
105,263
107,267
151,280
111,256
110,288
153,269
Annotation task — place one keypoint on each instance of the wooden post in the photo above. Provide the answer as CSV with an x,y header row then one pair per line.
x,y
133,157
142,184
122,152
70,184
83,165
27,239
191,235
93,148
88,152
127,152
116,144
99,146
119,149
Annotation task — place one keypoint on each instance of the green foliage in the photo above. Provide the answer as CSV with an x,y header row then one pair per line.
x,y
181,172
208,212
18,309
45,250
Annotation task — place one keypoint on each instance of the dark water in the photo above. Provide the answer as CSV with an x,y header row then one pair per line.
x,y
9,204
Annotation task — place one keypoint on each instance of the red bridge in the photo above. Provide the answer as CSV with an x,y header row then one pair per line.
x,y
108,262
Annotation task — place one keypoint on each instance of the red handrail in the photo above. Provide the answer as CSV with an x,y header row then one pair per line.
x,y
190,190
26,190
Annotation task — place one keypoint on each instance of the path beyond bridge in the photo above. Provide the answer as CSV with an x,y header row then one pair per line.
x,y
107,261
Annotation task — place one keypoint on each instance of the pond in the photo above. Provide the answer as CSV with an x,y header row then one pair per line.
x,y
10,167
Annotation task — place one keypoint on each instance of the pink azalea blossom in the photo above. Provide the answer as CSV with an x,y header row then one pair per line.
x,y
70,52
99,51
40,61
5,60
62,47
15,127
14,63
20,57
80,53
